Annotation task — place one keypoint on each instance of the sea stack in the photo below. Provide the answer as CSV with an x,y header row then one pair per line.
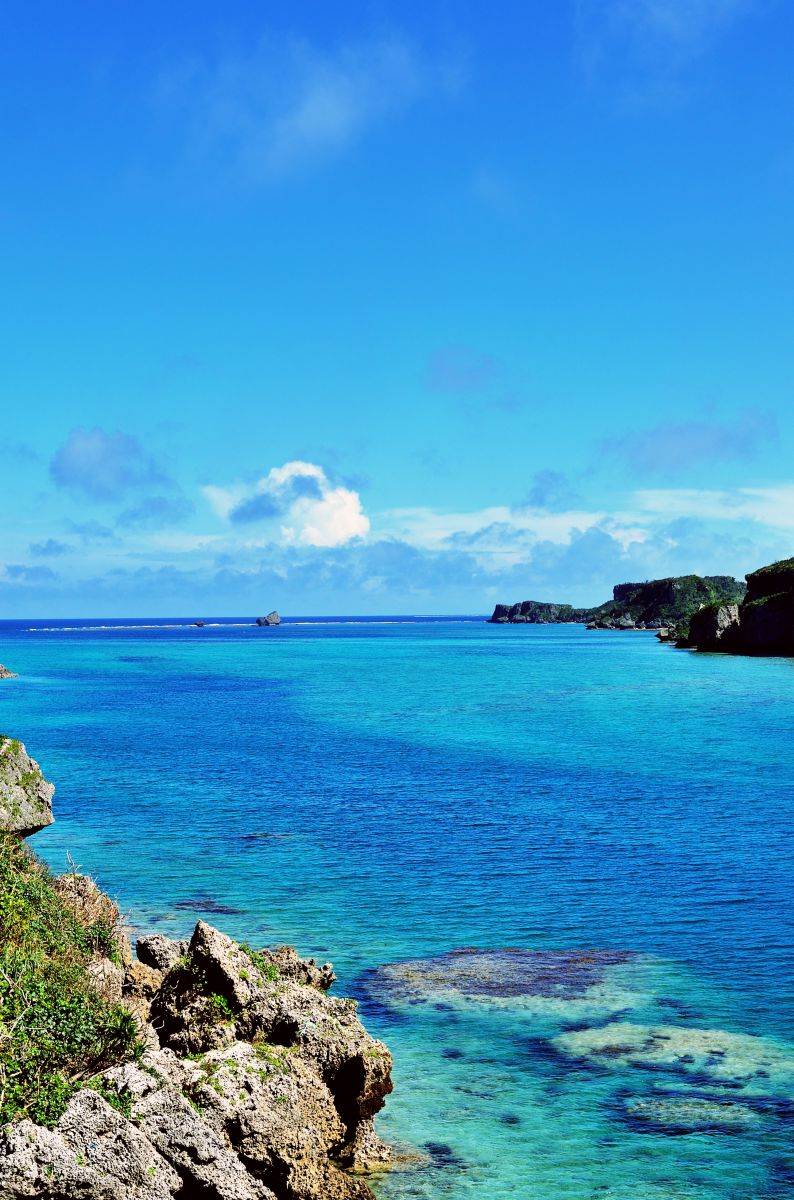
x,y
272,618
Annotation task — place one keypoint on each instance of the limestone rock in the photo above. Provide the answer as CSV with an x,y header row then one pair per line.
x,y
290,965
140,986
25,795
93,1153
222,995
6,674
275,1102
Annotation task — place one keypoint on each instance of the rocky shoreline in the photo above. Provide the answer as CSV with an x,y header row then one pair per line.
x,y
239,1077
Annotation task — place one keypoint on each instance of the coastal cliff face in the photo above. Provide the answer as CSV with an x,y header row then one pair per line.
x,y
763,624
536,612
200,1068
651,604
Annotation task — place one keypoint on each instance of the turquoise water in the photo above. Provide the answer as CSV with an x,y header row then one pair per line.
x,y
376,793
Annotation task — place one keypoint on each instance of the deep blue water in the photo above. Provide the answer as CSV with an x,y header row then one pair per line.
x,y
377,791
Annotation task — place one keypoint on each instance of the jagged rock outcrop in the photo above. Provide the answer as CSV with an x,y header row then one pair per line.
x,y
6,674
254,1084
272,618
25,795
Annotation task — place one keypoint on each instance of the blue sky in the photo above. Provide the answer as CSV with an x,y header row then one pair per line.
x,y
392,307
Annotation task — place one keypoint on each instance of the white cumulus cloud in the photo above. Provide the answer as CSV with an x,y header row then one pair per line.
x,y
299,500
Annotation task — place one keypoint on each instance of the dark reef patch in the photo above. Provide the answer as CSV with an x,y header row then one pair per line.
x,y
501,973
205,904
444,1156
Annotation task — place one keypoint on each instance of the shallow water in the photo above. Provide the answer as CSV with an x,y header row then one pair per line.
x,y
381,792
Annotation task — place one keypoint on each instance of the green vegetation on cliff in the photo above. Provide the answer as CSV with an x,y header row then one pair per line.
x,y
56,1031
670,601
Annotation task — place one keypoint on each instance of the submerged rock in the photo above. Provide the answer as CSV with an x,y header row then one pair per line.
x,y
688,1114
716,1054
477,973
25,795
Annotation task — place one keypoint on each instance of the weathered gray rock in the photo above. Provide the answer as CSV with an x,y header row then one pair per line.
x,y
290,965
280,1117
94,1153
25,795
159,952
272,618
140,986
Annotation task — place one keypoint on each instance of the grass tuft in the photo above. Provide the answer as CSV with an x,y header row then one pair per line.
x,y
56,1032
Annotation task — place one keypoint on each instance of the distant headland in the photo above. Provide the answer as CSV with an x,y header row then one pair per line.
x,y
700,612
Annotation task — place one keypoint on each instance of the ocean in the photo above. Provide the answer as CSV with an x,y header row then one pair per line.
x,y
612,820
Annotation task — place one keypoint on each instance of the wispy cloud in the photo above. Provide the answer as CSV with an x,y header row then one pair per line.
x,y
104,466
672,447
51,548
551,490
461,369
155,512
286,105
769,506
645,47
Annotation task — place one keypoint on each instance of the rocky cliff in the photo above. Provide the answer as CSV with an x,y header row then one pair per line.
x,y
762,624
198,1068
651,604
536,612
25,795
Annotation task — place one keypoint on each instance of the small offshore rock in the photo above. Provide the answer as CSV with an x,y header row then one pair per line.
x,y
25,795
6,674
272,618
